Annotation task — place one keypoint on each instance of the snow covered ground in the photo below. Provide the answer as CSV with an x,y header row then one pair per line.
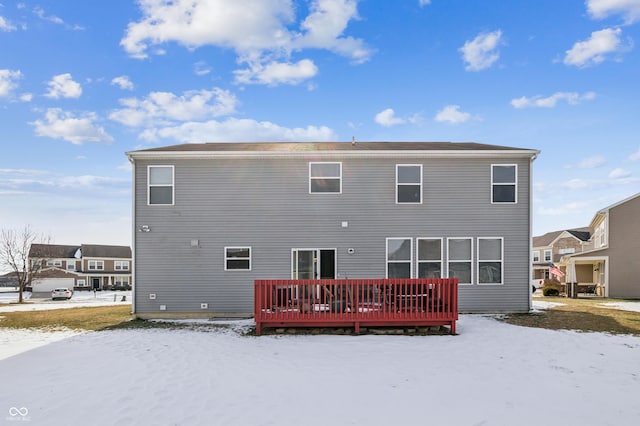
x,y
8,301
492,373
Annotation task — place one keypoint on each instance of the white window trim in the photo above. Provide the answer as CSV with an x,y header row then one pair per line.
x,y
534,254
238,258
387,261
550,256
121,279
328,177
515,183
418,261
81,283
97,263
470,261
71,263
118,265
173,184
501,260
398,184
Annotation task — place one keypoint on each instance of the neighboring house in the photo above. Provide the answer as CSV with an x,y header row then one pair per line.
x,y
611,263
83,267
211,218
549,248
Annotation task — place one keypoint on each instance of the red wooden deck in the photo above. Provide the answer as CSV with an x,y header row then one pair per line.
x,y
356,303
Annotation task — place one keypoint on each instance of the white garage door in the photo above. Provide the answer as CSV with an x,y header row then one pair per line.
x,y
45,285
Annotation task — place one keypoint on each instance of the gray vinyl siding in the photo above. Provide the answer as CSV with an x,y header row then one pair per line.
x,y
265,204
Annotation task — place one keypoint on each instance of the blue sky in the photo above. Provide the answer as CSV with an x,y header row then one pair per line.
x,y
83,82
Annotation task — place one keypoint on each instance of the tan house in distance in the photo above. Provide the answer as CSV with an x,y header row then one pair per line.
x,y
80,267
611,261
549,248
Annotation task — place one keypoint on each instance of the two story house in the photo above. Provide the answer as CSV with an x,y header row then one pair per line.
x,y
210,218
549,248
611,262
83,267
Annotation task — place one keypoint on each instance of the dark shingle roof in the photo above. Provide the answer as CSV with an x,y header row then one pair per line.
x,y
582,234
330,146
53,251
93,250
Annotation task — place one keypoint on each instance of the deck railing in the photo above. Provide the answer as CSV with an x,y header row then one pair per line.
x,y
356,303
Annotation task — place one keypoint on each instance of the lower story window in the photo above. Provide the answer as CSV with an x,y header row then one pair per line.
x,y
399,255
82,283
237,258
460,257
490,260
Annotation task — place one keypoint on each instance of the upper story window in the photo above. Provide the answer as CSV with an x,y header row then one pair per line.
x,y
161,185
429,257
71,265
490,262
121,265
503,183
547,255
600,235
56,262
96,265
536,256
325,178
237,258
409,183
399,255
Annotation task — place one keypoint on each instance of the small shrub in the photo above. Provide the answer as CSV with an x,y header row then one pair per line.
x,y
550,291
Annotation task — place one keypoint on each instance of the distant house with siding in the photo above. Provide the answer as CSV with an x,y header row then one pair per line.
x,y
611,262
549,248
211,218
81,267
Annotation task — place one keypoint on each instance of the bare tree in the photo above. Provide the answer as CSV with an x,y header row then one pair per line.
x,y
14,253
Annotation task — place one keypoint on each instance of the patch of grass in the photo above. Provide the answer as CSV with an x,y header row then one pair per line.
x,y
93,318
580,315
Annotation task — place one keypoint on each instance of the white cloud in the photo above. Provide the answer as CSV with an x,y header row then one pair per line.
x,y
481,52
239,130
572,98
424,2
64,125
26,97
5,25
563,209
592,162
387,118
165,108
577,183
635,156
275,73
8,81
619,173
40,13
595,49
123,82
200,68
63,86
259,38
629,9
452,114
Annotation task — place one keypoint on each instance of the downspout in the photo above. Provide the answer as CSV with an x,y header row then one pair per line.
x,y
133,235
530,268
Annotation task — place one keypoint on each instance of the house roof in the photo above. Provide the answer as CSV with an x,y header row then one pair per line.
x,y
583,234
604,211
92,250
55,251
305,148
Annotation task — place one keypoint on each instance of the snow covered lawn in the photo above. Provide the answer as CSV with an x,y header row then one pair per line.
x,y
492,373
